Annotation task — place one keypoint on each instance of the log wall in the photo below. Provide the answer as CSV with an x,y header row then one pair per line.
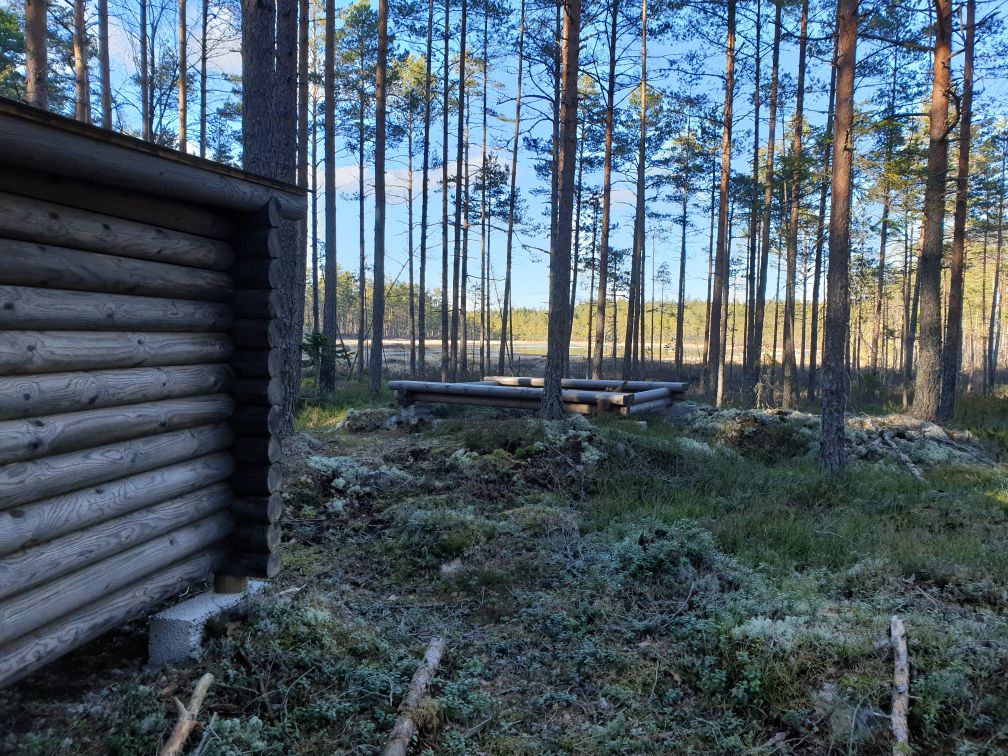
x,y
138,379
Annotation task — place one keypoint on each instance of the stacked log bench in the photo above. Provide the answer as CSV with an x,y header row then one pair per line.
x,y
583,396
138,333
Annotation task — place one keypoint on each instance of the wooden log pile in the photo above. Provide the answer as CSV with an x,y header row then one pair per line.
x,y
582,396
138,391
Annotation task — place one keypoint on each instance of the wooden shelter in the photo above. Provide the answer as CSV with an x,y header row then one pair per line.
x,y
139,326
584,396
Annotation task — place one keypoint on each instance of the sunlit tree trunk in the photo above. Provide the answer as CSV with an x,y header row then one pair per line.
x,y
36,53
82,86
330,326
204,55
425,197
681,303
103,63
512,196
460,161
378,285
445,354
183,81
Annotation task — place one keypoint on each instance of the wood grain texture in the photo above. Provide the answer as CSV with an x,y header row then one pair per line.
x,y
27,264
26,526
41,646
132,205
31,352
46,142
44,222
28,308
25,482
38,606
22,440
54,393
258,508
31,567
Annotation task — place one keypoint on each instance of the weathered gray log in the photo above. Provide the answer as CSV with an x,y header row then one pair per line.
x,y
650,395
30,352
257,303
588,384
405,724
27,308
33,608
651,406
256,450
27,264
25,482
255,334
259,243
247,564
44,222
30,567
257,363
901,687
257,392
489,401
136,206
43,142
31,524
256,480
257,274
21,440
257,421
39,647
54,393
503,392
264,509
256,536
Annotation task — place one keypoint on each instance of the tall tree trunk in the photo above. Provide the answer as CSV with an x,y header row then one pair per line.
x,y
362,261
425,196
204,56
591,285
790,293
304,74
145,114
409,242
952,354
927,387
603,265
754,210
512,196
330,326
313,176
681,303
378,292
460,160
464,260
835,379
759,310
82,84
183,81
484,250
712,384
36,53
560,255
635,323
445,354
884,231
104,67
821,228
996,293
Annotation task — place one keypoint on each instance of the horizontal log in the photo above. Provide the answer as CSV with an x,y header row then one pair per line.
x,y
587,384
256,480
505,392
31,524
259,244
257,421
37,606
136,206
651,406
25,482
651,395
28,568
41,646
248,564
257,274
27,308
257,303
258,508
53,393
45,142
44,222
258,363
27,264
257,392
256,537
256,450
257,334
21,440
489,401
29,352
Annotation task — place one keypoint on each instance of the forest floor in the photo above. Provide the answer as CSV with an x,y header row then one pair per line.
x,y
692,586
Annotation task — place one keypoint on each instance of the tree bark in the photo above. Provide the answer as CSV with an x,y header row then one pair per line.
x,y
145,114
835,380
559,333
635,323
330,328
952,354
183,81
425,198
681,304
460,161
204,26
82,85
103,63
378,284
36,53
927,387
512,196
445,355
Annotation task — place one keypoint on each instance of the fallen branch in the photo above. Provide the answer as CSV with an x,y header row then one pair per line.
x,y
405,726
914,470
187,717
901,687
